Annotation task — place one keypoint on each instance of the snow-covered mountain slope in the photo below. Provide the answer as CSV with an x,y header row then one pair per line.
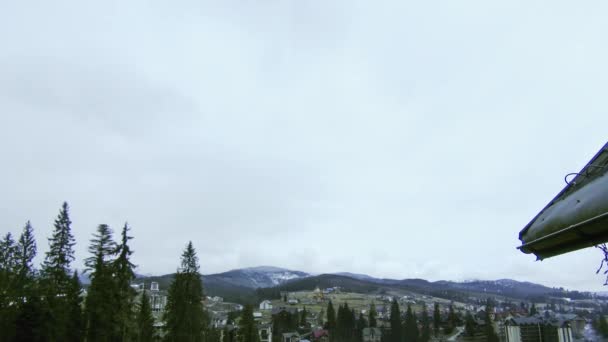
x,y
255,277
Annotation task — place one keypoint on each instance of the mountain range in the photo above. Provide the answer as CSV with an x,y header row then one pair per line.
x,y
248,285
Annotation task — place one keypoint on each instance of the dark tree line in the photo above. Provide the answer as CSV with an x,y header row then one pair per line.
x,y
49,304
411,328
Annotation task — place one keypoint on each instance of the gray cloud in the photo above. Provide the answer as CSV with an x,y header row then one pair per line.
x,y
395,139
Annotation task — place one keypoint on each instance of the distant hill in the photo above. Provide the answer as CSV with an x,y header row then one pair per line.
x,y
257,277
443,289
249,285
356,276
237,285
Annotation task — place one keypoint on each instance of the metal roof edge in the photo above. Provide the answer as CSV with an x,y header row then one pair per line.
x,y
523,231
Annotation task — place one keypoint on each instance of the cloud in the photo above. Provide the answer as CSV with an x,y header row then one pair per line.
x,y
399,140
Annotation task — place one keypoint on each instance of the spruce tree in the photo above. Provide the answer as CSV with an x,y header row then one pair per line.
x,y
321,317
602,326
361,324
533,310
248,331
303,316
101,304
451,321
8,267
425,335
372,315
25,253
29,323
8,251
124,275
436,319
345,324
469,325
352,325
331,321
490,332
56,271
76,323
411,326
214,335
184,313
144,320
395,322
56,266
228,335
30,320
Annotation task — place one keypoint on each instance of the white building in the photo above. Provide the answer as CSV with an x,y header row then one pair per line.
x,y
537,329
266,305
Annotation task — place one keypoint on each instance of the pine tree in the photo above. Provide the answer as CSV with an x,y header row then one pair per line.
x,y
533,310
184,314
101,304
395,322
56,271
425,335
248,331
411,326
372,315
144,320
436,319
124,275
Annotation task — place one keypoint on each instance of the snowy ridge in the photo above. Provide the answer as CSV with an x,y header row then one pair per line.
x,y
257,277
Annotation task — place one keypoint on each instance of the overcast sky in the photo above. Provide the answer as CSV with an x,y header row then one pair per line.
x,y
398,139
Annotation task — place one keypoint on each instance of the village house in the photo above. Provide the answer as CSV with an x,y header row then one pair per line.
x,y
577,323
532,329
265,332
320,335
158,299
266,305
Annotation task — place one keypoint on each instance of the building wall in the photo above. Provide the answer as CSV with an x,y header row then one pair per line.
x,y
158,302
513,334
565,334
265,334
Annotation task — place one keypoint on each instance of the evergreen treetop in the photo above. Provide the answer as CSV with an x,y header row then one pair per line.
x,y
56,265
395,322
372,315
26,251
185,317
